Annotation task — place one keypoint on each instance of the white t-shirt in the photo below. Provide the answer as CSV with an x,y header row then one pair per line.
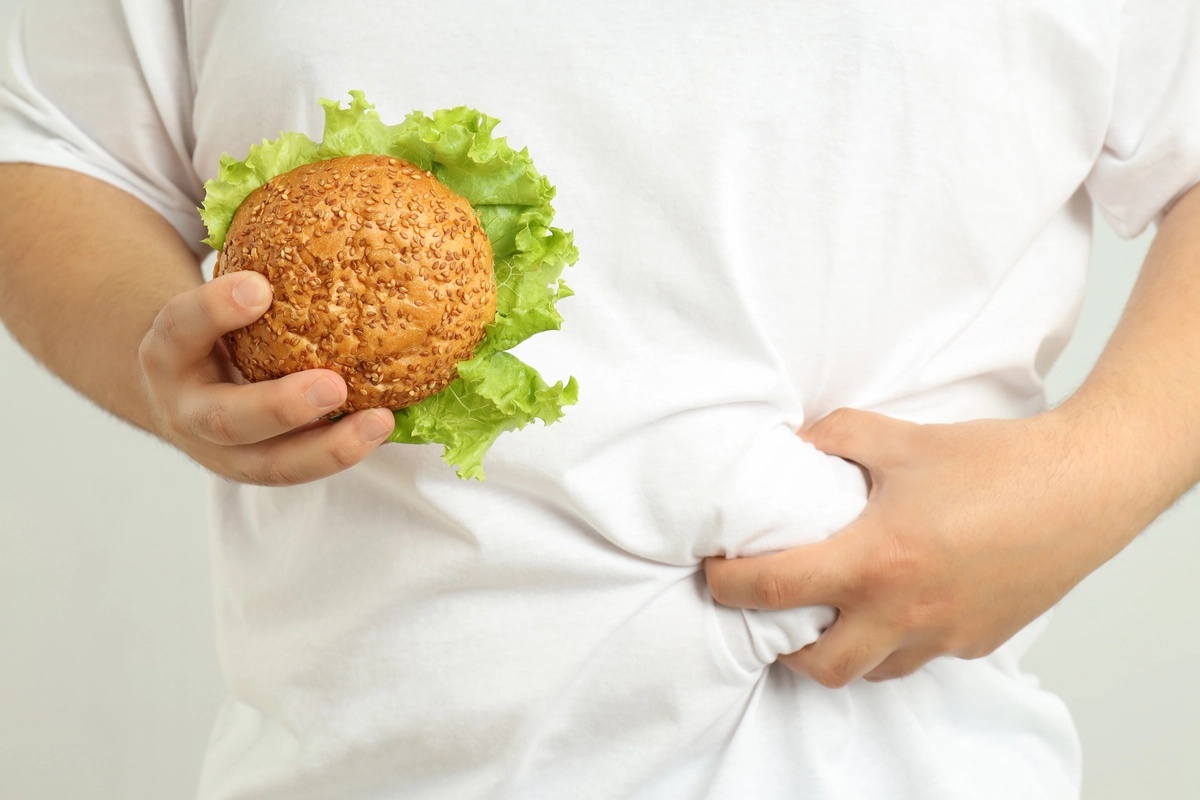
x,y
781,208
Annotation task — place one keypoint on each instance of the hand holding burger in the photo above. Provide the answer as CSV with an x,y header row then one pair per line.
x,y
266,433
403,262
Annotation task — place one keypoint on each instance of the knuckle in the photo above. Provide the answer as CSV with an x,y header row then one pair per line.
x,y
166,331
831,677
837,423
289,414
973,650
344,455
892,572
835,418
178,430
844,432
911,664
154,349
769,590
891,673
216,424
912,617
207,304
166,325
174,323
891,564
830,428
147,354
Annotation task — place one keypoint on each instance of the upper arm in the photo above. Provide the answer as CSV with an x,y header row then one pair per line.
x,y
103,88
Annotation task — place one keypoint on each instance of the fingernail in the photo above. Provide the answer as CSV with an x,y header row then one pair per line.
x,y
251,291
377,425
324,393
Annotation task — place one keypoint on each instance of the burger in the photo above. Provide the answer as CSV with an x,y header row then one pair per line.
x,y
379,272
408,258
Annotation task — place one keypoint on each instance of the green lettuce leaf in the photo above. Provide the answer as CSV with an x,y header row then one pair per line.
x,y
237,179
492,394
494,391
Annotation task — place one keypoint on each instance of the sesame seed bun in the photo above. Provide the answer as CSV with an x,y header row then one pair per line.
x,y
379,272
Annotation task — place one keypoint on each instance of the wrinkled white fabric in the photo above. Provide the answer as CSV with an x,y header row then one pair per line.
x,y
781,208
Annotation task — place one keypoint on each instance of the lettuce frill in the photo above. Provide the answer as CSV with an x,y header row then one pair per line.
x,y
494,391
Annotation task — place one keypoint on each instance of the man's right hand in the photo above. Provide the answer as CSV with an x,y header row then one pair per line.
x,y
270,432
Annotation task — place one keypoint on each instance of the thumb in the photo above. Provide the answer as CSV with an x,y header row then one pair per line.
x,y
188,326
864,437
813,575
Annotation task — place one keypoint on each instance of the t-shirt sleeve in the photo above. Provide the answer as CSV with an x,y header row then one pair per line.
x,y
1151,153
104,88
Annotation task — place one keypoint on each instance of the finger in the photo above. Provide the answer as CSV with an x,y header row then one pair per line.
x,y
845,652
813,575
188,326
900,664
315,453
863,437
233,414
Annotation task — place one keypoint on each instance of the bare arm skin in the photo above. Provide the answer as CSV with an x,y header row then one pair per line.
x,y
974,529
104,292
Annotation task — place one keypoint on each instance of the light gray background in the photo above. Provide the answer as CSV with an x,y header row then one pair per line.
x,y
108,676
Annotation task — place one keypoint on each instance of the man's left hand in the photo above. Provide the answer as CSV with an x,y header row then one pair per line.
x,y
971,531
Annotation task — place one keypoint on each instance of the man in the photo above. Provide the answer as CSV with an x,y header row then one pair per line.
x,y
784,212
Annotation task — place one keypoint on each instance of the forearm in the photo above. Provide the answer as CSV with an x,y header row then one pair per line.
x,y
1138,413
84,269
